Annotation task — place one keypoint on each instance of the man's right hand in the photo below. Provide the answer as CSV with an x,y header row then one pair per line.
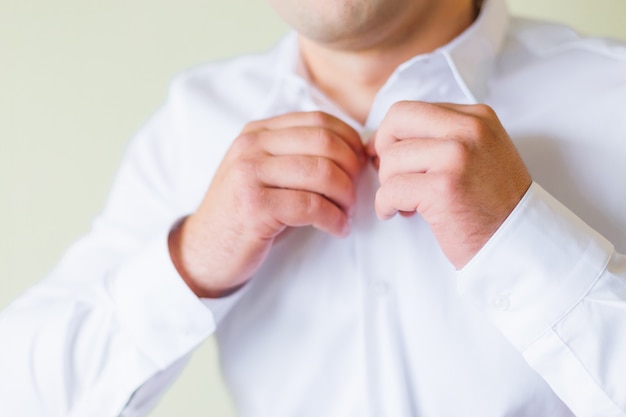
x,y
298,169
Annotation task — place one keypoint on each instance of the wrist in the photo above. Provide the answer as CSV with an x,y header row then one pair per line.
x,y
175,246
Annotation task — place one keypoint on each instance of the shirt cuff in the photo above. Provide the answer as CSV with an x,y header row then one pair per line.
x,y
537,266
165,318
221,306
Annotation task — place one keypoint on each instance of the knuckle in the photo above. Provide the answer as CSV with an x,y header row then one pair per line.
x,y
459,153
476,127
393,114
253,126
384,143
323,169
353,167
448,185
244,171
312,204
319,118
484,111
325,141
395,107
400,106
244,143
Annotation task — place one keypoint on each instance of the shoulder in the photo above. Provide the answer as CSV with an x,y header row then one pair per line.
x,y
233,87
549,49
551,68
545,39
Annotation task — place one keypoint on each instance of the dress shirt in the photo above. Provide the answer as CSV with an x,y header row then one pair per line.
x,y
378,323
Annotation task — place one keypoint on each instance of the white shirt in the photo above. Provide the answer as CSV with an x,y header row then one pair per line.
x,y
378,323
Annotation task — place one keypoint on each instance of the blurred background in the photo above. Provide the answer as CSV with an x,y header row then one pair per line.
x,y
79,77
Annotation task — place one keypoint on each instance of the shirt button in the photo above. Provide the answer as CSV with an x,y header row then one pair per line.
x,y
380,288
500,302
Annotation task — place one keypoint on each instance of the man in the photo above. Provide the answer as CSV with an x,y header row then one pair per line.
x,y
433,150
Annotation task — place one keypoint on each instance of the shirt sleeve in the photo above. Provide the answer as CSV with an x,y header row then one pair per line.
x,y
112,325
556,289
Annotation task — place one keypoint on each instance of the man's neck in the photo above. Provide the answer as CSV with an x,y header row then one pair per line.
x,y
352,76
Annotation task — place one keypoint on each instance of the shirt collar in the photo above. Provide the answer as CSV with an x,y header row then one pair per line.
x,y
470,56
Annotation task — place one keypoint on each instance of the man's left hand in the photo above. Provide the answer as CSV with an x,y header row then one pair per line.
x,y
453,164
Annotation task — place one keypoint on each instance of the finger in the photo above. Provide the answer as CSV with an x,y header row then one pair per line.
x,y
302,208
370,151
415,119
370,147
402,193
312,141
422,156
481,111
310,119
309,173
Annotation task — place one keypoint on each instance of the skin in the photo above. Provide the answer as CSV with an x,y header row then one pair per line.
x,y
454,165
294,170
351,62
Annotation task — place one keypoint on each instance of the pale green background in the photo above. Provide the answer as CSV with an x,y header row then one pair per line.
x,y
78,77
